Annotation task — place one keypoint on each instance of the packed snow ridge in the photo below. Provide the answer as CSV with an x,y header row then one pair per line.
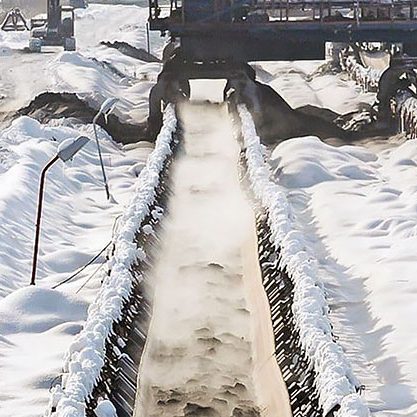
x,y
335,381
85,357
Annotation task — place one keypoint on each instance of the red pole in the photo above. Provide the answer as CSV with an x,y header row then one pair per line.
x,y
38,217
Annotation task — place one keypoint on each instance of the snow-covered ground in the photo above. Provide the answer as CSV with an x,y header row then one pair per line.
x,y
89,72
357,211
294,82
38,323
354,207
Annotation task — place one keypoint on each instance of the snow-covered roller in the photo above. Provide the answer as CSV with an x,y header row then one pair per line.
x,y
319,379
101,365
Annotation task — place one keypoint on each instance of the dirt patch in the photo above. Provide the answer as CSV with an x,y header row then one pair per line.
x,y
129,50
319,112
278,121
51,106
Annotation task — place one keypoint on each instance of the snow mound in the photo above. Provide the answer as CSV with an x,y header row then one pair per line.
x,y
73,72
37,309
362,228
335,381
305,162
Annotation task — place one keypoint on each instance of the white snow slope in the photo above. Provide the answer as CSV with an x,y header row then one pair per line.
x,y
89,72
37,324
356,212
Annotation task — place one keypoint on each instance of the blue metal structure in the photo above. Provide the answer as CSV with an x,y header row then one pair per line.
x,y
252,30
217,38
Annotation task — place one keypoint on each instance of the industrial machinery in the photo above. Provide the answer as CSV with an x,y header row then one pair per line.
x,y
57,29
253,30
218,38
14,22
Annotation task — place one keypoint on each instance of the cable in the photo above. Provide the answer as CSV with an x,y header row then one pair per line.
x,y
114,230
82,268
89,278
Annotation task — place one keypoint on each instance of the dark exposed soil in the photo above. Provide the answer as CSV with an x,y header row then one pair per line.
x,y
50,106
129,50
278,121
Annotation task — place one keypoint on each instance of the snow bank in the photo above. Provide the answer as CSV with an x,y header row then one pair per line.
x,y
335,381
10,41
95,80
85,357
360,220
76,224
301,83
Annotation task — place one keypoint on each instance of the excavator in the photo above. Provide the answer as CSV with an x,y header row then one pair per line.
x,y
57,29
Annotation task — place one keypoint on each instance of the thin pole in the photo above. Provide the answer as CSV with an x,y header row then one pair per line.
x,y
38,218
101,159
148,42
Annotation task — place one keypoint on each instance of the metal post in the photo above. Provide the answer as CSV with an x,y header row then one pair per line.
x,y
148,42
357,12
38,218
101,159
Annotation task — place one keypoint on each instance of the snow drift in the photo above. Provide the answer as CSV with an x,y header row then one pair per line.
x,y
358,214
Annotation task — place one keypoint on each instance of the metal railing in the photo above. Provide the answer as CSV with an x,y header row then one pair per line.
x,y
264,11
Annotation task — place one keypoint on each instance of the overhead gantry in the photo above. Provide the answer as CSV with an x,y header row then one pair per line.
x,y
217,38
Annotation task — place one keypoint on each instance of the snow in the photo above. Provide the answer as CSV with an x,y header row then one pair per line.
x,y
105,409
335,381
358,217
345,217
296,84
86,354
77,223
95,72
77,220
37,325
